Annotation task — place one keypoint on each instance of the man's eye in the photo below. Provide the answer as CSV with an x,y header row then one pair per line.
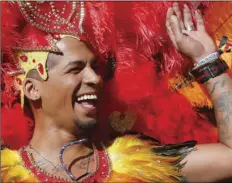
x,y
74,70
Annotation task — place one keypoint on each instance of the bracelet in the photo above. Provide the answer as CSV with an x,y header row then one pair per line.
x,y
209,59
213,70
224,46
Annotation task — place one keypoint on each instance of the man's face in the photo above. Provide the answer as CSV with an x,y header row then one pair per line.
x,y
71,93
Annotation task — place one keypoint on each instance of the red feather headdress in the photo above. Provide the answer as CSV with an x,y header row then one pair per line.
x,y
27,28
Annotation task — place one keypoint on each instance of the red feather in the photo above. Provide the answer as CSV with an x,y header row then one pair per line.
x,y
16,128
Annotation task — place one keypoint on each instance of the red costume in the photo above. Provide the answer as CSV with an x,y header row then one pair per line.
x,y
138,62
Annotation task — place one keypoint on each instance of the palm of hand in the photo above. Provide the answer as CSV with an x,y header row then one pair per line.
x,y
194,44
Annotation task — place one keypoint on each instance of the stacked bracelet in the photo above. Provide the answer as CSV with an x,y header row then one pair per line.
x,y
212,70
211,66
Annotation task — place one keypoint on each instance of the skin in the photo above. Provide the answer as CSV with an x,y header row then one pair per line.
x,y
58,118
210,162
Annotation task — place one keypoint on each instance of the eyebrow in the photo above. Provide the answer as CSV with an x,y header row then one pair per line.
x,y
79,63
74,63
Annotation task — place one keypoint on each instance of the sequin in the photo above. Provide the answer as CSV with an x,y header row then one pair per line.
x,y
101,174
41,68
24,58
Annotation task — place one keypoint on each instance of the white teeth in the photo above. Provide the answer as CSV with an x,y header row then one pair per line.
x,y
87,97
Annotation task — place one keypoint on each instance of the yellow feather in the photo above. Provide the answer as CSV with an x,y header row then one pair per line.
x,y
193,92
12,168
132,159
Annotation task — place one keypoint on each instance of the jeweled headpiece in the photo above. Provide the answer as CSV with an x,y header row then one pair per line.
x,y
45,24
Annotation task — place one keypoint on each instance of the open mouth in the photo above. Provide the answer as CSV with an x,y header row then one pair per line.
x,y
87,101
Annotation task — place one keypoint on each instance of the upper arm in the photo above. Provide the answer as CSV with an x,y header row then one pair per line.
x,y
208,163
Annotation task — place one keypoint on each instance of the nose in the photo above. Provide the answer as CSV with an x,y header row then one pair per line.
x,y
91,78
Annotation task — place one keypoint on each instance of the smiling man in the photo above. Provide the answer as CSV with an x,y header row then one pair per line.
x,y
57,75
73,85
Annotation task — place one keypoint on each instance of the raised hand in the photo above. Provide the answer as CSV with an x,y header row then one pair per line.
x,y
189,39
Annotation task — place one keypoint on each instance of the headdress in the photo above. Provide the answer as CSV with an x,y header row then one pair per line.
x,y
45,23
30,31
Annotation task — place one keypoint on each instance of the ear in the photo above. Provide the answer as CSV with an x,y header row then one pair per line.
x,y
31,89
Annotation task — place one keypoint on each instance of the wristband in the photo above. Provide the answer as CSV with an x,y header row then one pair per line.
x,y
224,46
211,71
209,59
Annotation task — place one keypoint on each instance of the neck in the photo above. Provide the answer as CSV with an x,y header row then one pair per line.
x,y
48,139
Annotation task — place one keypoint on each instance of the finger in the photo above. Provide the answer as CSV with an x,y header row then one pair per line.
x,y
199,20
178,14
188,22
170,12
175,26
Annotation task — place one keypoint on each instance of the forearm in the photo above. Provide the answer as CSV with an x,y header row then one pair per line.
x,y
220,89
211,162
